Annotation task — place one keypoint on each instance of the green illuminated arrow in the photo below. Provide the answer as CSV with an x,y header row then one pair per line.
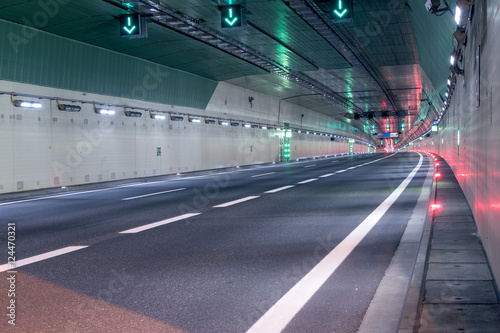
x,y
132,28
340,14
340,8
231,22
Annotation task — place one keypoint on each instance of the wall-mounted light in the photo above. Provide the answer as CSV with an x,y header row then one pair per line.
x,y
132,113
25,104
194,120
462,7
209,121
460,37
108,112
68,107
456,70
176,118
453,57
156,115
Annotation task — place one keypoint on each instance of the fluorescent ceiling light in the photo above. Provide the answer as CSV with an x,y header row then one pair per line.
x,y
458,15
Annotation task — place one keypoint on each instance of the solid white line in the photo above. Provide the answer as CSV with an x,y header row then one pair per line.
x,y
327,175
159,223
352,168
308,166
281,313
340,171
157,193
280,189
230,203
307,181
40,257
264,174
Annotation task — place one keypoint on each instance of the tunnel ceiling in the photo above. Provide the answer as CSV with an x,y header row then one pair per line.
x,y
290,49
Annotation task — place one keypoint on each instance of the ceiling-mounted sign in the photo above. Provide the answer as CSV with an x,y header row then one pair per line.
x,y
341,10
233,17
133,26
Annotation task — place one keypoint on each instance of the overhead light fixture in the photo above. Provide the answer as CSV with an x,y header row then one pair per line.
x,y
460,36
263,127
209,121
453,57
449,82
223,123
278,128
299,131
156,115
133,114
194,120
176,118
446,94
247,125
107,112
455,70
25,104
458,15
461,7
67,107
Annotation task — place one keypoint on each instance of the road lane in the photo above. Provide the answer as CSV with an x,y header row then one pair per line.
x,y
221,270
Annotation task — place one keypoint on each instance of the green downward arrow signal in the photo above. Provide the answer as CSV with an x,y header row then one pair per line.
x,y
339,14
130,27
231,22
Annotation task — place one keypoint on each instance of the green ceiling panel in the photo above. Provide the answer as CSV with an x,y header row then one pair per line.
x,y
434,39
53,61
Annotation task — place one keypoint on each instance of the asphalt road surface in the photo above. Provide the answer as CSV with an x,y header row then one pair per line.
x,y
296,247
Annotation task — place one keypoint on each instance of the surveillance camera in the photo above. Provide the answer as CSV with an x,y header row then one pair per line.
x,y
432,5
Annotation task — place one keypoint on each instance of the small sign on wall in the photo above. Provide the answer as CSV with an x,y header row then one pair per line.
x,y
158,151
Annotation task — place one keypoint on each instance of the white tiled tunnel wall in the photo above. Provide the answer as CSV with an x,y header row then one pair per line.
x,y
469,136
47,147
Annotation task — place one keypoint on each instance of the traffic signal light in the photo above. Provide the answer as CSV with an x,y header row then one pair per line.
x,y
133,26
233,17
341,10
